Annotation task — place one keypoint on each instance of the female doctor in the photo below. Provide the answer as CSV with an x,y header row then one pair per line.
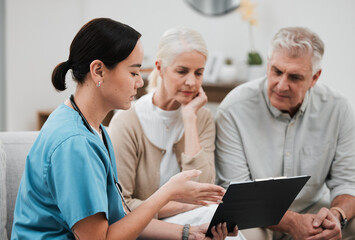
x,y
69,188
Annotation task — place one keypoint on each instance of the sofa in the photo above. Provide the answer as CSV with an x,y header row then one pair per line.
x,y
14,147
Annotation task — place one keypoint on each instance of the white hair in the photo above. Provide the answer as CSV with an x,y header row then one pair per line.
x,y
174,42
299,41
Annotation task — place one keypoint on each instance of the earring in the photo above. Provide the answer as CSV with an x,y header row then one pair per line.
x,y
98,84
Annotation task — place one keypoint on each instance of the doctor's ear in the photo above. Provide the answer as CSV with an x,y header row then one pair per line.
x,y
96,69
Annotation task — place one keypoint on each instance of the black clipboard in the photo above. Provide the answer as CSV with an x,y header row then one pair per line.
x,y
258,203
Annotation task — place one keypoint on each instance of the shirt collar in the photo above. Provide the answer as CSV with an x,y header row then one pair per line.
x,y
276,112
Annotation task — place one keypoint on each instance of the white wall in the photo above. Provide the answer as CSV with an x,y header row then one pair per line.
x,y
39,32
2,65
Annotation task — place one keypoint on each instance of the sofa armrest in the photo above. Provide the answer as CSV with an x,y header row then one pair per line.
x,y
16,146
3,208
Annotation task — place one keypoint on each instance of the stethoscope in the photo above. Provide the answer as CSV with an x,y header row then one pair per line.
x,y
87,125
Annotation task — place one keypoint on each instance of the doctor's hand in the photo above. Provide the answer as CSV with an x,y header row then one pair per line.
x,y
219,232
182,189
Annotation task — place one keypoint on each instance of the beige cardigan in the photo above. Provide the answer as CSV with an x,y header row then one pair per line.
x,y
138,160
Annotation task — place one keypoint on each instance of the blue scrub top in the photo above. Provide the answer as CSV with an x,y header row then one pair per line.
x,y
68,176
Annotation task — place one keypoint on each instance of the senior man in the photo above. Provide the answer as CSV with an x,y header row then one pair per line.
x,y
289,124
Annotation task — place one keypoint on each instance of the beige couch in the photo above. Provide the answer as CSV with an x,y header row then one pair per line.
x,y
14,147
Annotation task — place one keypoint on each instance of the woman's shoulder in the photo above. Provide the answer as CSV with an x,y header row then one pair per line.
x,y
62,122
204,113
63,127
205,119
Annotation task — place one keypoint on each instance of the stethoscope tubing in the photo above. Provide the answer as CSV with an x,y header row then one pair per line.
x,y
87,125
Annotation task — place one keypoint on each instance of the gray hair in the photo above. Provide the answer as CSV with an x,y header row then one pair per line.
x,y
299,41
174,42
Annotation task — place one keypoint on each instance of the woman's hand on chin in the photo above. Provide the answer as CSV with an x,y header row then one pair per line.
x,y
195,104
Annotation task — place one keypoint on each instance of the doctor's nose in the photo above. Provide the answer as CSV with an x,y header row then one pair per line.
x,y
139,82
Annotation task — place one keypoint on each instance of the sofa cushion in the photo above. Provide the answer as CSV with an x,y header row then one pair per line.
x,y
3,234
17,146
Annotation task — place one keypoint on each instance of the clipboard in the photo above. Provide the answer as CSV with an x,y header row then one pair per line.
x,y
258,203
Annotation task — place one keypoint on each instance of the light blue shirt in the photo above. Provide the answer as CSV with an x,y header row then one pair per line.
x,y
68,176
256,140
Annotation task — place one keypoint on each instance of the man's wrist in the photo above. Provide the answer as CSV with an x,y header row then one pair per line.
x,y
340,214
336,214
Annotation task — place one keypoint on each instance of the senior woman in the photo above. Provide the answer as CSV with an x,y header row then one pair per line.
x,y
168,130
69,188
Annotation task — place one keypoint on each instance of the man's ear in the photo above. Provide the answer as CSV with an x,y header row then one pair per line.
x,y
96,71
316,77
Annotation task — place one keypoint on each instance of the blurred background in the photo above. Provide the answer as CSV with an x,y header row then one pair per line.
x,y
35,36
